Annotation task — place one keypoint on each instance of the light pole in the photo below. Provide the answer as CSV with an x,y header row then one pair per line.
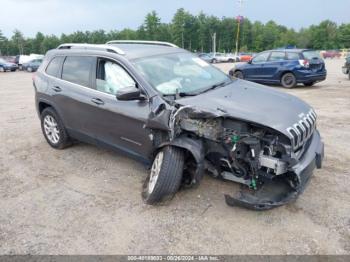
x,y
239,20
1,41
182,35
214,42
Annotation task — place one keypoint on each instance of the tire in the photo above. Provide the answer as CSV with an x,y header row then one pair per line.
x,y
288,80
238,74
165,177
349,75
29,69
2,69
230,60
53,129
309,84
214,61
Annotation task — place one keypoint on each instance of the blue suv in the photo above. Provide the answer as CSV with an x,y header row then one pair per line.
x,y
287,67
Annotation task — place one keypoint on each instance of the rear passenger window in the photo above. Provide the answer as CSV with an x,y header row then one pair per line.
x,y
292,56
111,77
77,69
54,66
277,56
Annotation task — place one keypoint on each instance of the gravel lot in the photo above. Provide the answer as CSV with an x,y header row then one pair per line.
x,y
86,200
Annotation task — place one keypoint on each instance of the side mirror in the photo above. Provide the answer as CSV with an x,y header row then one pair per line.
x,y
130,93
250,61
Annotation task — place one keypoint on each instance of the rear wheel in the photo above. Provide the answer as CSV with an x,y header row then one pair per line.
x,y
214,61
29,69
238,74
309,84
53,129
230,60
165,177
288,80
349,75
2,69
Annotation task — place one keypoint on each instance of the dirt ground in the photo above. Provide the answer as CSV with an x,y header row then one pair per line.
x,y
86,200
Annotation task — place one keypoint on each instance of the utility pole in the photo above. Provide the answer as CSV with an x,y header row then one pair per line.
x,y
182,35
239,20
214,42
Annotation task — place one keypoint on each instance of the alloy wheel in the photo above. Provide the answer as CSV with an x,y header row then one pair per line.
x,y
156,166
51,129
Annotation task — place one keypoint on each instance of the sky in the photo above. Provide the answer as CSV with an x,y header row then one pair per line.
x,y
67,16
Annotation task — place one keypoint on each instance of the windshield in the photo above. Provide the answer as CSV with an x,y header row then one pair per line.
x,y
309,55
2,61
180,73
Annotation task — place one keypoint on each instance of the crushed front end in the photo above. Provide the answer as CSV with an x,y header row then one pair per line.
x,y
273,168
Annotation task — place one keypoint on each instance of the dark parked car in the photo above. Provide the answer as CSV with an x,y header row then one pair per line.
x,y
32,66
7,66
286,67
181,116
346,67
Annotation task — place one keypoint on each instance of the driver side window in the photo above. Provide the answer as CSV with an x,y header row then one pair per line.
x,y
111,77
261,58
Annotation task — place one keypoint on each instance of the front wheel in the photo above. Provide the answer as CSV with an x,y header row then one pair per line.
x,y
2,69
238,74
288,80
349,75
29,69
214,61
165,177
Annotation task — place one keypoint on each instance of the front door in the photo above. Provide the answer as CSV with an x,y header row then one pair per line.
x,y
120,124
255,70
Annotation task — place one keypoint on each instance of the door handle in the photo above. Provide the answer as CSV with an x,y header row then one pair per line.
x,y
56,89
97,101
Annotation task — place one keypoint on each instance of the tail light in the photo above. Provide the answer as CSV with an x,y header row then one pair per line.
x,y
305,63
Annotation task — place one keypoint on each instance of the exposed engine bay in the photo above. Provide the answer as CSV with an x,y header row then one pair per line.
x,y
257,157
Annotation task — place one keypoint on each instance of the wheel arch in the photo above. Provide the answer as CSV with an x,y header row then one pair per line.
x,y
195,148
283,72
42,105
233,71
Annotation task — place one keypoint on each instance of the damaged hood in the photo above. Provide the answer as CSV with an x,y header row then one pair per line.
x,y
251,102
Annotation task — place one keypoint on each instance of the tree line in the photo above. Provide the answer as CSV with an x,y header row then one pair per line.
x,y
194,32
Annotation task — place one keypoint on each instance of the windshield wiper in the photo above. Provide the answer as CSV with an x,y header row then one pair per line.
x,y
221,84
183,94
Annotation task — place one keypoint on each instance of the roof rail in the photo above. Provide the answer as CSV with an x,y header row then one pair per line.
x,y
141,42
107,48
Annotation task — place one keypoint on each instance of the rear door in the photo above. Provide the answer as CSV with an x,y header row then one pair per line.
x,y
73,92
276,61
254,70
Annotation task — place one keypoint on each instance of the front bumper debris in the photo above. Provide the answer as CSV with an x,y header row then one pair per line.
x,y
280,191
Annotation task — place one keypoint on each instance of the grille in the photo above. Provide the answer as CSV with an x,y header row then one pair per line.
x,y
301,131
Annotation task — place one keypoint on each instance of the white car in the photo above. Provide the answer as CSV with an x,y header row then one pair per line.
x,y
223,58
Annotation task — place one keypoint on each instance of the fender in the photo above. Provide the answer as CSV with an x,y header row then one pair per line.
x,y
196,148
52,104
